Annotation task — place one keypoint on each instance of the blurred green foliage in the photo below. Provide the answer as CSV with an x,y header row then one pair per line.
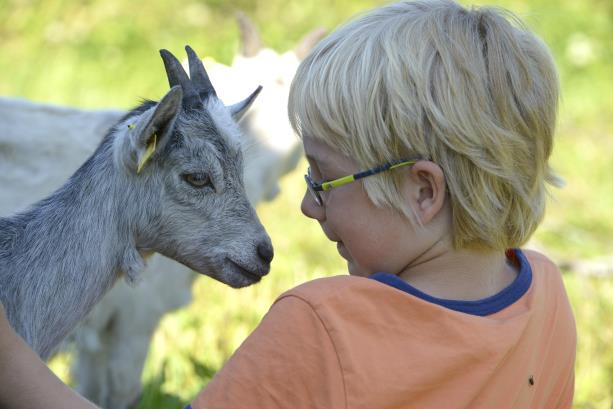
x,y
103,53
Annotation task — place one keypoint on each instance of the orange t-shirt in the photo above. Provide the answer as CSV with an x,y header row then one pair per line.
x,y
351,342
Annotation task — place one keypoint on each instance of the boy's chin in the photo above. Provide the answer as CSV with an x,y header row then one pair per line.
x,y
356,270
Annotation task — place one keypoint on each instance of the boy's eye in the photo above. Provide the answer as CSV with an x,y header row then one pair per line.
x,y
198,180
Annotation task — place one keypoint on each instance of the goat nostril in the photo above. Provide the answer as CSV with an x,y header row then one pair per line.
x,y
265,251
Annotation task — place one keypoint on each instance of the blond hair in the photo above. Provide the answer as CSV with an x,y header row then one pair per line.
x,y
472,89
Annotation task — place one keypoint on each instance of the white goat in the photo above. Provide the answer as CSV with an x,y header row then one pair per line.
x,y
47,143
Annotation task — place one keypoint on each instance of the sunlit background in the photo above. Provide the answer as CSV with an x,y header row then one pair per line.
x,y
104,53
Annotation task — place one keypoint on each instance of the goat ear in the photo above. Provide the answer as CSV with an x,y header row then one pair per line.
x,y
239,109
153,128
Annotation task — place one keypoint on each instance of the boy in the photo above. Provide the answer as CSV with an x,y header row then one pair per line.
x,y
443,118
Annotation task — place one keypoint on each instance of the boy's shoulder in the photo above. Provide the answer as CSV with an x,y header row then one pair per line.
x,y
327,294
547,278
542,265
328,289
337,302
538,257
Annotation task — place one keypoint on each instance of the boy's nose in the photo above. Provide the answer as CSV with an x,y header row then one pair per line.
x,y
311,209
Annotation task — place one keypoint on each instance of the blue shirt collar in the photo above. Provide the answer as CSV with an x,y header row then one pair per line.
x,y
483,307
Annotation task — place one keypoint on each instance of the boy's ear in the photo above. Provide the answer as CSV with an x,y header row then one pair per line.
x,y
149,132
428,190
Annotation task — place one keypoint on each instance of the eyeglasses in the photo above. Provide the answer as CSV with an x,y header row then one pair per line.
x,y
315,188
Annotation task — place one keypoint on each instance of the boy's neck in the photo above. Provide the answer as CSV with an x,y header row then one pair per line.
x,y
460,274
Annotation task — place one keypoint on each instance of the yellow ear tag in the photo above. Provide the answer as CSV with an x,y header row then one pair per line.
x,y
148,152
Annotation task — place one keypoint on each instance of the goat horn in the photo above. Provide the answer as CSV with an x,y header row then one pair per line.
x,y
309,41
198,75
250,38
177,76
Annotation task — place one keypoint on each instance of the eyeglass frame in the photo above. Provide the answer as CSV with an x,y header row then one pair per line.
x,y
314,187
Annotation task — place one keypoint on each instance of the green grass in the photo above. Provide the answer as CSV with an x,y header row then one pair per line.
x,y
103,53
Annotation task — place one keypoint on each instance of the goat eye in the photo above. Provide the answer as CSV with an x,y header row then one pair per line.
x,y
198,180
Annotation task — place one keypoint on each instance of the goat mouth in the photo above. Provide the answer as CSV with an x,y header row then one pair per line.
x,y
249,274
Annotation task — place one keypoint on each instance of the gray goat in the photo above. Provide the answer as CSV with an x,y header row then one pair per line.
x,y
187,202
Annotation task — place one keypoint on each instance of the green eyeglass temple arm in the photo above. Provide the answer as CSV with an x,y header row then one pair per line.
x,y
348,179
